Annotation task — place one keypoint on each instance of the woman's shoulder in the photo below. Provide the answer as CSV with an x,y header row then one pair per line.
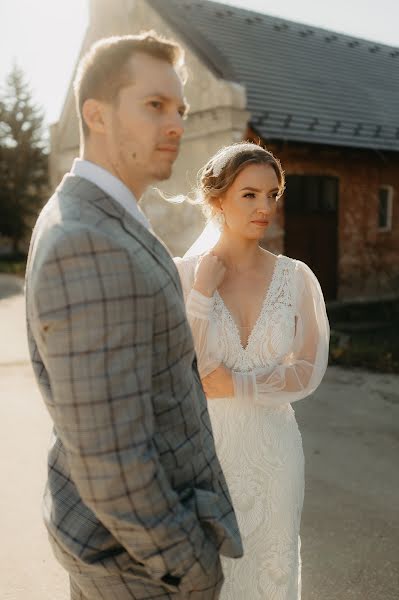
x,y
286,261
186,265
186,269
304,280
302,276
186,261
286,266
296,265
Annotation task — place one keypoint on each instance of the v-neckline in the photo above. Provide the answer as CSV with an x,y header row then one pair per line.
x,y
264,303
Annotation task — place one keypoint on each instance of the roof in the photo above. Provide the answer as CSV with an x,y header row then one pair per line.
x,y
303,83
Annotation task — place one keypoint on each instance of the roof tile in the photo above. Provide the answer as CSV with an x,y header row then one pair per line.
x,y
303,83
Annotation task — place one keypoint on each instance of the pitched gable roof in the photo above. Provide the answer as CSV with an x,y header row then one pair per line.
x,y
303,83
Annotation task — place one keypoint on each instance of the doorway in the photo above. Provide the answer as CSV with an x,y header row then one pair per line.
x,y
311,226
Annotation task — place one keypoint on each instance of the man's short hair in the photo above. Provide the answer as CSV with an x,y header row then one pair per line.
x,y
103,71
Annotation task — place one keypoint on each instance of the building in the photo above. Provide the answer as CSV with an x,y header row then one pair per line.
x,y
326,104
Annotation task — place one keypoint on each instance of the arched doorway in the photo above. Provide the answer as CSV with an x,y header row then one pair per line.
x,y
311,226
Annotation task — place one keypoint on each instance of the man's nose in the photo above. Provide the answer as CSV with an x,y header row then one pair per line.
x,y
175,126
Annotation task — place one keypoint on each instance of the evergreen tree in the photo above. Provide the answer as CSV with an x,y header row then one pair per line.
x,y
23,158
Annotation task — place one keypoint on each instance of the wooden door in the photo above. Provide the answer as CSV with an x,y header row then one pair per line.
x,y
311,226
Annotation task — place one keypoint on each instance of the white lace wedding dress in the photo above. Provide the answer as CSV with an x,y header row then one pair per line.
x,y
256,434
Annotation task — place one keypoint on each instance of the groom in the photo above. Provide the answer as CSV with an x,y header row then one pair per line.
x,y
136,505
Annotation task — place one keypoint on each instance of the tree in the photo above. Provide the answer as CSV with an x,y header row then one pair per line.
x,y
23,158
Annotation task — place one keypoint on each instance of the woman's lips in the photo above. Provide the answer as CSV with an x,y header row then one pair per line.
x,y
261,223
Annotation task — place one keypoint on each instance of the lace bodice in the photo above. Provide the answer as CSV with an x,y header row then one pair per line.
x,y
273,332
287,350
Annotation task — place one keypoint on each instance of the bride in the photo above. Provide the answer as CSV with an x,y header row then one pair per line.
x,y
261,335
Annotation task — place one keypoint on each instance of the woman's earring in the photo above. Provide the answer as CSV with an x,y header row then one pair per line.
x,y
220,220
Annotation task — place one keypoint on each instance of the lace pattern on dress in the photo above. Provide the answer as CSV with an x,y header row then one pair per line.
x,y
273,331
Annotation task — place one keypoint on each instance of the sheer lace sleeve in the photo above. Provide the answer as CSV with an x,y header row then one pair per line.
x,y
301,371
199,310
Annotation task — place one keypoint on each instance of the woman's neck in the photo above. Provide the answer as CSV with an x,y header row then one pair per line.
x,y
238,254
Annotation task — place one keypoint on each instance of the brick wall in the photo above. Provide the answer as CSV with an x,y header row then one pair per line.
x,y
368,259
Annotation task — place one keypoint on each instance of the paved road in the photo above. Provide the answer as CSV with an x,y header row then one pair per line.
x,y
350,527
28,570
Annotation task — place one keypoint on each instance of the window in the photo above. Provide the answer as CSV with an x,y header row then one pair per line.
x,y
385,194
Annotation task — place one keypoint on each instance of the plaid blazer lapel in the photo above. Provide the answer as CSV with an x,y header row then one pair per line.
x,y
87,191
152,243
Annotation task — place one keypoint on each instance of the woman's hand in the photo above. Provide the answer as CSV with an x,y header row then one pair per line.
x,y
209,274
219,383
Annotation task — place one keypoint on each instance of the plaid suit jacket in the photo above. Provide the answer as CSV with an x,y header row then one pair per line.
x,y
134,483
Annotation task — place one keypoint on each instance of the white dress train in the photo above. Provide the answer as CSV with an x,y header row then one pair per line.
x,y
256,434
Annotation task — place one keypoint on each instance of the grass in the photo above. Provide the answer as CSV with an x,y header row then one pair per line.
x,y
376,351
366,335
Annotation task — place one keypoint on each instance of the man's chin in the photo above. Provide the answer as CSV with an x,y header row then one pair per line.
x,y
164,173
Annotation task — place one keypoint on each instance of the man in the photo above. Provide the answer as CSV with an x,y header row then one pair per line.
x,y
136,504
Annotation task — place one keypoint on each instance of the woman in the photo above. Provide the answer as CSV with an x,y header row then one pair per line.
x,y
261,335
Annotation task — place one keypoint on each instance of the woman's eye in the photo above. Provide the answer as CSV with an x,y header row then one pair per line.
x,y
156,104
275,196
249,195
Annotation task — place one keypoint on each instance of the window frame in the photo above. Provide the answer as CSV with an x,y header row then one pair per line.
x,y
390,190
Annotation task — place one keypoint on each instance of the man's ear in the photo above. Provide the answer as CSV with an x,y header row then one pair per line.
x,y
93,113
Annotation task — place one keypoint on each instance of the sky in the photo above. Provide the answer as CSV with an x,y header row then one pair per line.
x,y
44,36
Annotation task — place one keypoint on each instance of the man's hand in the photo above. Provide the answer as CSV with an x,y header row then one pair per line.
x,y
219,383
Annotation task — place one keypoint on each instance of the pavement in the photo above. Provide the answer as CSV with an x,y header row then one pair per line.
x,y
28,570
350,523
